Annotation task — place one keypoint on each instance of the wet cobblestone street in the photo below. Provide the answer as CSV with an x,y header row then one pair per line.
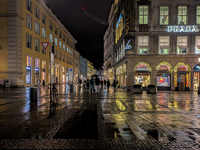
x,y
102,120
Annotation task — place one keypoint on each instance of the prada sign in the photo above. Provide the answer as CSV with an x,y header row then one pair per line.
x,y
182,29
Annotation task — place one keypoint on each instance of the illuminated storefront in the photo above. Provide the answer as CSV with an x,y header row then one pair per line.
x,y
28,69
121,75
43,70
63,72
37,70
181,77
196,76
164,76
110,75
57,73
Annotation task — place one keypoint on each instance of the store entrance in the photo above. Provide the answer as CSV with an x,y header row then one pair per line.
x,y
36,78
181,82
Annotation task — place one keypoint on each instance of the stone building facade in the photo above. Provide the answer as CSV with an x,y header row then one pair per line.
x,y
157,42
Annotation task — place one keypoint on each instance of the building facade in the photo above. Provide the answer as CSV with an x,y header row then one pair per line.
x,y
90,69
83,68
76,66
157,42
27,23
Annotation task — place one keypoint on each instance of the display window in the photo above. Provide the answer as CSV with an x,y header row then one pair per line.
x,y
142,79
28,74
163,79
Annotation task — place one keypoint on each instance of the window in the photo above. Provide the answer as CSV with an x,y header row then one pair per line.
x,y
143,14
60,56
197,45
63,37
182,44
51,38
198,15
60,44
29,5
28,40
43,18
67,50
56,30
50,25
56,41
43,32
63,47
37,61
182,15
43,64
164,45
63,57
28,21
60,34
37,45
56,54
43,50
143,43
37,12
37,27
164,15
28,60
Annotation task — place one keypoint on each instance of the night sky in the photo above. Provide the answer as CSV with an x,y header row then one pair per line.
x,y
88,33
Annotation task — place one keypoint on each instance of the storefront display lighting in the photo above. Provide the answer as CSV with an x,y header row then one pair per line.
x,y
142,63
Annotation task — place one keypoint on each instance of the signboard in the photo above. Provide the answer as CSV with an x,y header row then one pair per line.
x,y
197,68
52,68
128,46
182,29
119,20
45,45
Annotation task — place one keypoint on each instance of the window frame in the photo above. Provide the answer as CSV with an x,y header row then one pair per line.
x,y
43,18
197,14
29,40
143,15
44,29
56,41
163,47
183,46
50,37
38,27
164,15
38,42
182,15
51,25
29,18
29,5
37,12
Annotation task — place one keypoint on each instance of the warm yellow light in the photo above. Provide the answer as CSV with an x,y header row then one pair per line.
x,y
199,59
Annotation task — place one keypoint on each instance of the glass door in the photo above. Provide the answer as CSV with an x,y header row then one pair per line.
x,y
181,82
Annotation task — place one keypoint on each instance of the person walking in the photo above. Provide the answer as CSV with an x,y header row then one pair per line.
x,y
114,85
92,81
97,81
43,82
108,84
88,84
38,82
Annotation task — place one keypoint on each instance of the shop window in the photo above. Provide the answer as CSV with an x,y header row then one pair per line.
x,y
60,56
182,15
28,21
60,44
143,43
37,12
143,14
50,25
63,47
37,45
197,45
51,38
56,41
37,27
142,79
43,32
164,45
29,5
182,44
164,15
28,40
163,79
198,15
43,18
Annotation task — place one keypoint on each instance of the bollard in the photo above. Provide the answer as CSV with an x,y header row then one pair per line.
x,y
71,87
33,94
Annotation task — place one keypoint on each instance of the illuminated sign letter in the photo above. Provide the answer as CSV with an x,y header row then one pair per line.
x,y
170,28
194,29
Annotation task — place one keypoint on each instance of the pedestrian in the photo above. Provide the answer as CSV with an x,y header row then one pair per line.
x,y
43,82
80,81
38,81
97,81
108,84
114,85
104,82
92,81
88,83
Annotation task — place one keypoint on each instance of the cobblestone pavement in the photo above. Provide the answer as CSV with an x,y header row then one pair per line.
x,y
102,120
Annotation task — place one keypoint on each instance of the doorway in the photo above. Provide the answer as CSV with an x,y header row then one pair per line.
x,y
181,82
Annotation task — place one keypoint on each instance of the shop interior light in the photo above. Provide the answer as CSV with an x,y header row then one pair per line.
x,y
199,59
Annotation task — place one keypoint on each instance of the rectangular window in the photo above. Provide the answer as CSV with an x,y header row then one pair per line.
x,y
56,41
37,12
37,45
143,14
63,57
60,44
164,15
198,15
67,50
28,61
28,40
164,45
56,54
197,45
143,44
63,47
43,50
28,21
63,37
43,64
29,5
43,18
182,44
51,38
60,34
37,63
37,27
56,30
50,25
182,15
60,56
43,32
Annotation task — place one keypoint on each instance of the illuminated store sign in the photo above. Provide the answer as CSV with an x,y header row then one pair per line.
x,y
28,68
119,20
182,29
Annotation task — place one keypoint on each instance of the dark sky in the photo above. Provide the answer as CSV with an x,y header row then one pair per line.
x,y
88,33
